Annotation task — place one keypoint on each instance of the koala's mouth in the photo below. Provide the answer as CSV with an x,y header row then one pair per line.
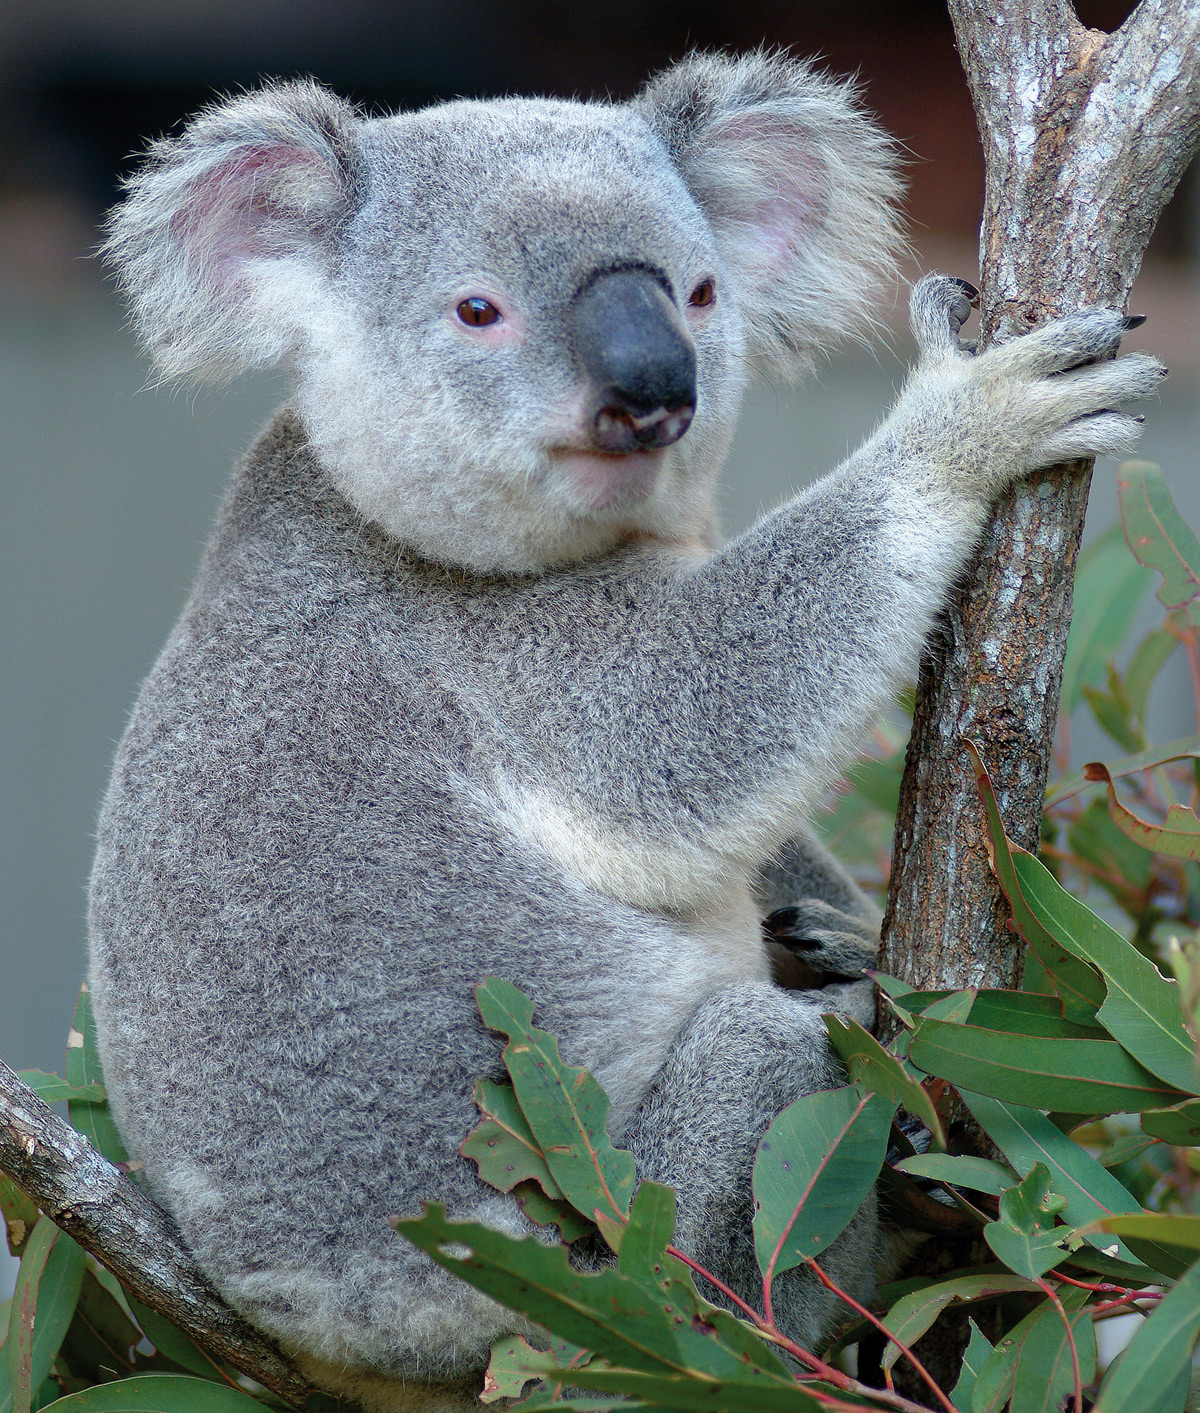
x,y
603,481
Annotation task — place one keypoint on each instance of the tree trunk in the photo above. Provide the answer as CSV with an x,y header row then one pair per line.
x,y
1085,137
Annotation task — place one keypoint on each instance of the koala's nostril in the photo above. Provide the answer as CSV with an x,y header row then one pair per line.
x,y
619,431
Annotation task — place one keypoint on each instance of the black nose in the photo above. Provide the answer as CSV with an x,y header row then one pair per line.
x,y
639,361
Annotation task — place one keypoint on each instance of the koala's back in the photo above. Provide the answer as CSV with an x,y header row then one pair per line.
x,y
293,1075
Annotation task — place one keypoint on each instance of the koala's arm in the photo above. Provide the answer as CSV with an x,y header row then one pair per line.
x,y
776,653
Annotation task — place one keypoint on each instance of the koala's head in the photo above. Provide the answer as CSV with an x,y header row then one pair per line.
x,y
519,329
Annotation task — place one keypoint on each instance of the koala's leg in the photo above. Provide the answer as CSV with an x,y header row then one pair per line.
x,y
744,1055
817,922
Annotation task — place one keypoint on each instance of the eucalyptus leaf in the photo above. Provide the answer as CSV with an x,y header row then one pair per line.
x,y
92,1119
870,1065
666,1330
815,1165
1045,1072
1026,1238
43,1306
911,1315
977,1351
1159,1352
158,1393
565,1108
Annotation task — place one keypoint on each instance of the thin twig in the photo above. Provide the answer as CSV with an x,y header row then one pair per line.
x,y
883,1330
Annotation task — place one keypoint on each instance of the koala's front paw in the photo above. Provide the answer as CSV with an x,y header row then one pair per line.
x,y
1046,397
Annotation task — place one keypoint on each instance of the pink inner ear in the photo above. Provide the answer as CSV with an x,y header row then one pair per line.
x,y
775,159
252,204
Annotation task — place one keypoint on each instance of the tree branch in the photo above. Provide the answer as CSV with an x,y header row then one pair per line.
x,y
107,1215
1085,137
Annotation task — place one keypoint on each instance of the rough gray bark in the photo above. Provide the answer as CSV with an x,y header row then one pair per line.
x,y
107,1215
1085,137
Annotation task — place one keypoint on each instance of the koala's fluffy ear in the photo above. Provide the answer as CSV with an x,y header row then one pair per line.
x,y
227,230
799,186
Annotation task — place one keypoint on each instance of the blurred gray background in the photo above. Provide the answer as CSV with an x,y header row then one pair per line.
x,y
108,488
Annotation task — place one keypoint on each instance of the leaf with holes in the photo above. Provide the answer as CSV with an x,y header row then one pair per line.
x,y
1026,1238
565,1108
664,1329
91,1118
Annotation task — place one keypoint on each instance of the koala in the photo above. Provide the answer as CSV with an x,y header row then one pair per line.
x,y
468,684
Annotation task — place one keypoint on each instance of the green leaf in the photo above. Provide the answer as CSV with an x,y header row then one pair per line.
x,y
158,1393
1142,1008
1074,1076
1113,713
1178,836
666,1330
101,1336
1045,1373
1028,1013
43,1306
1157,534
93,1120
1026,1238
503,1145
954,1007
20,1215
1026,1137
997,1376
733,1395
1179,1125
1079,985
870,1065
961,1169
977,1351
651,1227
1147,662
814,1168
171,1342
1109,585
912,1314
1186,748
1170,1228
1124,1149
1125,868
50,1089
515,1362
566,1109
544,1211
1158,1352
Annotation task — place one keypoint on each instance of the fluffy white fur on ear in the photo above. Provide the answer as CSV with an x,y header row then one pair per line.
x,y
225,231
799,186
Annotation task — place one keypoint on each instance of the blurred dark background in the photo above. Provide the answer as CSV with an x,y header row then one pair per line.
x,y
108,488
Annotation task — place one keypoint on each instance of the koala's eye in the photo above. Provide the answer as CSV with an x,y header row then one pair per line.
x,y
477,312
703,295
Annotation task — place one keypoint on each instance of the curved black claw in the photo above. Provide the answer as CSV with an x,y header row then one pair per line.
x,y
968,289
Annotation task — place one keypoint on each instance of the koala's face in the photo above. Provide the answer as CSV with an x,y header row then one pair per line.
x,y
520,329
540,350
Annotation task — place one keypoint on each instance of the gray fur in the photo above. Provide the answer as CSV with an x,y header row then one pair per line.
x,y
432,713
